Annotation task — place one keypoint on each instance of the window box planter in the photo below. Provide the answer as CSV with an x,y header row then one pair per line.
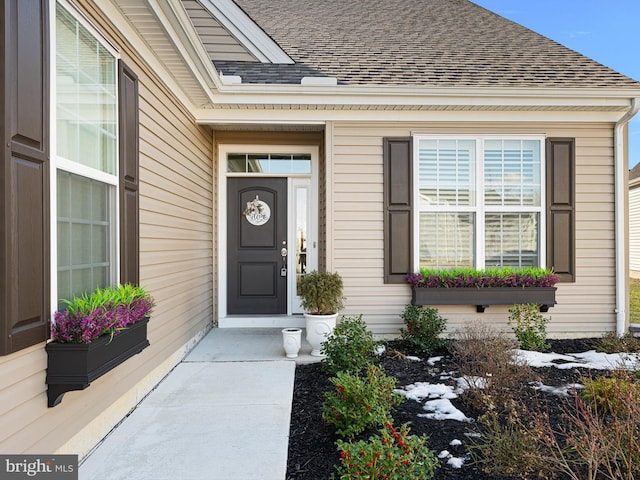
x,y
494,286
94,334
483,297
73,366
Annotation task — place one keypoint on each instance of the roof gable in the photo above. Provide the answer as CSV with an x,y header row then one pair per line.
x,y
219,43
448,43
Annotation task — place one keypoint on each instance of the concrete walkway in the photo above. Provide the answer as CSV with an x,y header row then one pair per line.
x,y
222,414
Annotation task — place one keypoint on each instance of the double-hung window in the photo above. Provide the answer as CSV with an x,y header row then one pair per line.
x,y
86,158
479,201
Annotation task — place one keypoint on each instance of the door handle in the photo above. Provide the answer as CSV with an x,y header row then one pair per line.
x,y
283,252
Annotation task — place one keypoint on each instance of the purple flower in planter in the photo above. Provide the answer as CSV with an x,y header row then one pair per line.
x,y
105,312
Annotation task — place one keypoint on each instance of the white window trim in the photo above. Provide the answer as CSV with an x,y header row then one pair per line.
x,y
60,163
479,208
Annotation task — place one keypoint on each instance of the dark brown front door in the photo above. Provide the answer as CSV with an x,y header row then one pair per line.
x,y
256,235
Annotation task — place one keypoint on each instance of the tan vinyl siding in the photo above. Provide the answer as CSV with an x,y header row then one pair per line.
x,y
584,308
176,243
634,230
217,41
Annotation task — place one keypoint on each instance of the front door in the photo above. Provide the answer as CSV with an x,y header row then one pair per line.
x,y
257,245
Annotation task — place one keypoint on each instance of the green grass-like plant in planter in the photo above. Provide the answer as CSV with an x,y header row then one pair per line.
x,y
105,311
504,277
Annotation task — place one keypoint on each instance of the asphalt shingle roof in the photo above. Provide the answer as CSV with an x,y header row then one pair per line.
x,y
452,43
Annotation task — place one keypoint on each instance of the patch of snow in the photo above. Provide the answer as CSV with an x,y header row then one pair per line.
x,y
608,361
539,359
414,359
421,390
443,409
472,434
455,442
380,349
591,359
433,360
453,462
456,462
562,391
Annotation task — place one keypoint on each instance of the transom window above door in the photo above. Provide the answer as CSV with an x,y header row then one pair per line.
x,y
269,163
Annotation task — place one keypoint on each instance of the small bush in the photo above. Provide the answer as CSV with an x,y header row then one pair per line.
x,y
608,394
530,327
321,292
350,347
358,403
423,328
392,455
504,448
612,343
589,444
486,358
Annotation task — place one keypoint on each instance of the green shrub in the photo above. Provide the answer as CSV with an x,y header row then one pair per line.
x,y
320,292
392,455
350,347
608,395
612,343
358,403
423,328
529,326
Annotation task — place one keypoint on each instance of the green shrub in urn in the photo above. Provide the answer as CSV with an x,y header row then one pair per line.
x,y
321,292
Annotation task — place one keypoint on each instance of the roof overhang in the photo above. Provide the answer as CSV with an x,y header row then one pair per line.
x,y
167,41
240,103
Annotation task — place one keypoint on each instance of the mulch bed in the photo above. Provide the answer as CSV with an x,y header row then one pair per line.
x,y
312,450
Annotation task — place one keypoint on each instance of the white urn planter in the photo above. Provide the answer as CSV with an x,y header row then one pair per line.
x,y
291,340
319,327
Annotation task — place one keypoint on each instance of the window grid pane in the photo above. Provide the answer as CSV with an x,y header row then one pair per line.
x,y
84,235
446,240
512,173
511,240
86,107
447,172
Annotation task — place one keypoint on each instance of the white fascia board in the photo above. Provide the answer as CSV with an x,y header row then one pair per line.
x,y
178,27
246,31
147,55
248,94
321,116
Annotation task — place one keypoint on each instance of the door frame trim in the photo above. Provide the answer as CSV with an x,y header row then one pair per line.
x,y
220,219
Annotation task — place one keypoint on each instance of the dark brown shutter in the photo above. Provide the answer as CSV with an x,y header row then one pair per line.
x,y
24,174
398,218
561,255
129,184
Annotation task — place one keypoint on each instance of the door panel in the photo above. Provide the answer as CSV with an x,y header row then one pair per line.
x,y
256,233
